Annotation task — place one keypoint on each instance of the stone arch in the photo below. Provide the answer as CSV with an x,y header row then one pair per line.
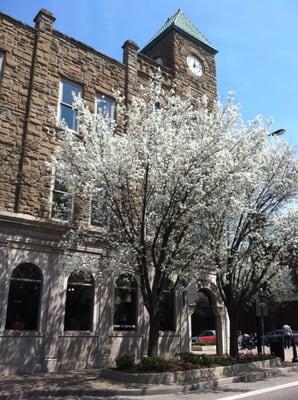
x,y
202,317
216,313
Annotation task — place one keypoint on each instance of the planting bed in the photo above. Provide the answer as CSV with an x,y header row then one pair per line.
x,y
190,368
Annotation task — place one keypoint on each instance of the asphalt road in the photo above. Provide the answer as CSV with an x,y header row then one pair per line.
x,y
278,388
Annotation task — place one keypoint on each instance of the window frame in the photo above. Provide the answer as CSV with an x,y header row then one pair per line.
x,y
133,288
51,202
103,225
40,282
99,96
61,102
92,304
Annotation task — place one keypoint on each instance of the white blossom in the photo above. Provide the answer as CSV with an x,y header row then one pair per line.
x,y
176,187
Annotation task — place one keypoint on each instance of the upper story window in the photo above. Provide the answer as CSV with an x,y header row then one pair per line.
x,y
1,63
106,106
66,111
98,215
62,202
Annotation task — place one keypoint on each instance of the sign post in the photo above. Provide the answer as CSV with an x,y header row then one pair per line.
x,y
262,311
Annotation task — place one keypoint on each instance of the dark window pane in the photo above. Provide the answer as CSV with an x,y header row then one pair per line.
x,y
125,303
61,206
79,303
24,298
27,271
68,88
60,187
69,116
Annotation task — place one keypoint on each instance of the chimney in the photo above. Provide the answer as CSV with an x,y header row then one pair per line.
x,y
44,20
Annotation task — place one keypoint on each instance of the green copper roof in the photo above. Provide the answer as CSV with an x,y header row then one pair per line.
x,y
182,23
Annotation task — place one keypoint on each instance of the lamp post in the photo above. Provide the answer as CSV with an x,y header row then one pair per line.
x,y
278,132
261,312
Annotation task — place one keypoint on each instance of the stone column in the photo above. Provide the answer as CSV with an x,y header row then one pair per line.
x,y
52,319
219,323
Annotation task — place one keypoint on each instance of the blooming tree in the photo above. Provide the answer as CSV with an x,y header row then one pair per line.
x,y
153,183
251,229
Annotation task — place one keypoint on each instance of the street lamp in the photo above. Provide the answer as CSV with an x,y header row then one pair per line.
x,y
278,132
261,312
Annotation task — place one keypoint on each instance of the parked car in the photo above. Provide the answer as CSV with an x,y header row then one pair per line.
x,y
278,333
207,336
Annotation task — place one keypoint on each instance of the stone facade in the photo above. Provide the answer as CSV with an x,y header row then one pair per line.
x,y
35,61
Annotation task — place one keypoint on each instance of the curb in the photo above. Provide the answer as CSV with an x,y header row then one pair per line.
x,y
186,377
169,389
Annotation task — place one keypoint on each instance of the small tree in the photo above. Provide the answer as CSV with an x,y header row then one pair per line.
x,y
252,229
154,184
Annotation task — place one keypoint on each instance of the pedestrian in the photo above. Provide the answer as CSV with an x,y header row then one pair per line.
x,y
288,335
240,340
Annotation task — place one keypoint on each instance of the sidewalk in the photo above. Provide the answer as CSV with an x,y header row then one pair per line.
x,y
90,383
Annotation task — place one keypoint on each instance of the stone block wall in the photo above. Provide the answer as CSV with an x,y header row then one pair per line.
x,y
35,62
36,59
17,43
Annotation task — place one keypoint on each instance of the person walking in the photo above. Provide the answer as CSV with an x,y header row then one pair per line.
x,y
288,334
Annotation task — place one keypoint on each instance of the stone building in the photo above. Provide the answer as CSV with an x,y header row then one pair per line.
x,y
44,323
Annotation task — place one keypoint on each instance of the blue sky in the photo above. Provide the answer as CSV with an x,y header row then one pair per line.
x,y
257,42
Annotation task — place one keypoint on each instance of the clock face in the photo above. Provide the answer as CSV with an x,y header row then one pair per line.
x,y
194,64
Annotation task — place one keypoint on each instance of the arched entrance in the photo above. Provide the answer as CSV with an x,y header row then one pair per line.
x,y
203,317
207,314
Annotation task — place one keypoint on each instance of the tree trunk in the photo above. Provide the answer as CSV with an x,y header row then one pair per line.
x,y
233,315
153,335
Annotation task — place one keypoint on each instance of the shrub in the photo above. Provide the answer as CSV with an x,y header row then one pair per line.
x,y
154,364
194,359
125,362
204,360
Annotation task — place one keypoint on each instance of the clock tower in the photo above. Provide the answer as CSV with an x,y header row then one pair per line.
x,y
180,46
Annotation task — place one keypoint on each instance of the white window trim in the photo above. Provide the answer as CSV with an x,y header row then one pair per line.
x,y
60,102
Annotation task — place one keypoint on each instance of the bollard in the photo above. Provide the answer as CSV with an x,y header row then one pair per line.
x,y
295,359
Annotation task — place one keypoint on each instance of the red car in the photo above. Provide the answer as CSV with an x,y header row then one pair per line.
x,y
208,336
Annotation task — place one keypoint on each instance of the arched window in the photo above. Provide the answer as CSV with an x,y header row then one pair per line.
x,y
79,302
24,298
125,304
167,313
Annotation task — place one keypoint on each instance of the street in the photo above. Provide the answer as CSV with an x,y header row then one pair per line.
x,y
283,387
